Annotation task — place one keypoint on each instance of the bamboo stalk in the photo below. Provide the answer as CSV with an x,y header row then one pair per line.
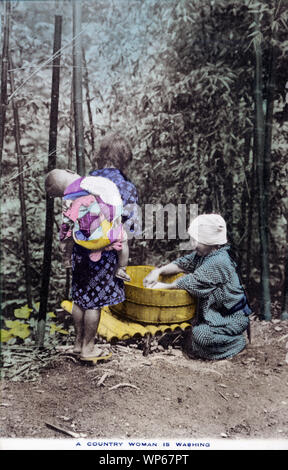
x,y
88,102
70,139
21,189
268,131
4,77
67,283
269,126
260,139
69,165
245,200
284,314
251,211
50,201
77,88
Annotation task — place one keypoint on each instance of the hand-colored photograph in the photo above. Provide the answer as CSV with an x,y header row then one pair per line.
x,y
144,226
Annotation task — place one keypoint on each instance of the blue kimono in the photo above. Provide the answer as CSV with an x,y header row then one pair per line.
x,y
222,311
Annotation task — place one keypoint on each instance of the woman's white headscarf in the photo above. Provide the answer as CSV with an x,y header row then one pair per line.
x,y
209,229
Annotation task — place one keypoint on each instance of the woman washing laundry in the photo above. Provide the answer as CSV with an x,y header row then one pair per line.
x,y
211,277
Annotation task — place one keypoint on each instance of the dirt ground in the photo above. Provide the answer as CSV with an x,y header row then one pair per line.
x,y
162,395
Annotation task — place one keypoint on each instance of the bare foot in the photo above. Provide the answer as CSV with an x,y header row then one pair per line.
x,y
77,351
95,352
77,346
69,350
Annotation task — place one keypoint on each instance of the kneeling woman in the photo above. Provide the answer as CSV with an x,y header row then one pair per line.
x,y
211,277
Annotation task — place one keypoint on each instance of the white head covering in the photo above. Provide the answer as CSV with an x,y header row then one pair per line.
x,y
103,187
209,229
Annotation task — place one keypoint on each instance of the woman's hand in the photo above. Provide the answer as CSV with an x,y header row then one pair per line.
x,y
164,285
151,278
160,285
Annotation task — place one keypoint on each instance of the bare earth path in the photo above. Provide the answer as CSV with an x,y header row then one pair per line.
x,y
162,396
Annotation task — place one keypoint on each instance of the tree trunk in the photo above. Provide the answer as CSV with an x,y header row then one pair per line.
x,y
263,216
50,201
77,88
4,77
21,189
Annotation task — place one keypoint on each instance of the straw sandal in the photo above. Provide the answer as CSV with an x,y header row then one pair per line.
x,y
95,359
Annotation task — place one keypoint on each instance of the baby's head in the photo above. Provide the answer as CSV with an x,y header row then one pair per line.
x,y
57,181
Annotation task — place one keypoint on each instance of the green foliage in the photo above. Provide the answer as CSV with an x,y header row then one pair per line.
x,y
23,330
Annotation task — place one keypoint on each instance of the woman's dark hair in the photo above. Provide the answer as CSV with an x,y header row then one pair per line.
x,y
114,150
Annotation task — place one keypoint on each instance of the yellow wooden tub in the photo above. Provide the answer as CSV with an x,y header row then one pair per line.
x,y
154,305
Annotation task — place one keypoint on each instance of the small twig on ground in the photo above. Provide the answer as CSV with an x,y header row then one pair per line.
x,y
40,358
177,337
122,385
64,431
71,357
212,371
124,348
223,396
103,378
21,354
282,338
19,371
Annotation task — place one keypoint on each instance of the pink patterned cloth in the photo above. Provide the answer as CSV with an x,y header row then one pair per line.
x,y
73,211
96,255
90,221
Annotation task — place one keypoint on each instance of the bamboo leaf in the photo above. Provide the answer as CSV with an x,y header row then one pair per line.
x,y
54,328
23,312
51,315
6,335
17,328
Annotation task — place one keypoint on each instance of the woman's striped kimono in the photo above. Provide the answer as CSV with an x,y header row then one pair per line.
x,y
222,310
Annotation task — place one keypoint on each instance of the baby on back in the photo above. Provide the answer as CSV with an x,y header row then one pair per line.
x,y
91,216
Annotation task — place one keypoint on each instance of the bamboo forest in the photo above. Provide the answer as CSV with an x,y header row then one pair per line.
x,y
199,89
201,93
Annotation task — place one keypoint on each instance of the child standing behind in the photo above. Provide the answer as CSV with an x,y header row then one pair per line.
x,y
94,283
